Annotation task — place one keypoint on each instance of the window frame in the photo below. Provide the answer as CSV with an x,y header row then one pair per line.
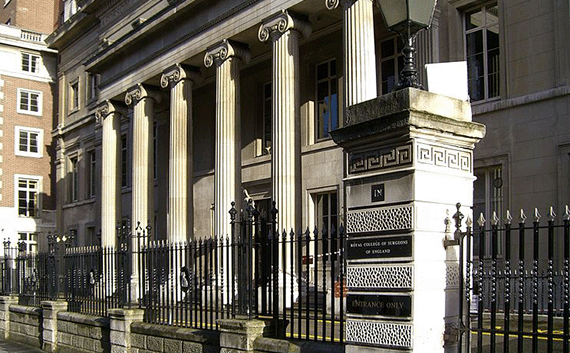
x,y
17,141
28,212
485,50
31,62
73,178
28,110
91,173
92,87
330,77
31,244
74,95
398,61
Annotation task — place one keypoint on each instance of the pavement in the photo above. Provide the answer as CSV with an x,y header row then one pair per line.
x,y
17,347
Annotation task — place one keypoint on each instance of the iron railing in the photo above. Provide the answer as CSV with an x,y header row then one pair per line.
x,y
517,298
295,278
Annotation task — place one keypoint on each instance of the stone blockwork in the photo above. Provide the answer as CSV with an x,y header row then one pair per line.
x,y
82,333
26,325
165,339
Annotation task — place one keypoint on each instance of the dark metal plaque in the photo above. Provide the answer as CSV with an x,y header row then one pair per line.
x,y
378,193
399,306
379,247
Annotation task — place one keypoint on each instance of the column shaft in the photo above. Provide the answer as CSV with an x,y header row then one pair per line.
x,y
228,152
360,57
180,165
286,137
111,178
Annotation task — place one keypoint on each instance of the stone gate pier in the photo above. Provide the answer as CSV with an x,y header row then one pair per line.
x,y
409,160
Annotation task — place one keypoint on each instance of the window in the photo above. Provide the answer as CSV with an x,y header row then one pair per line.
x,y
74,95
482,52
28,142
327,99
488,197
30,102
74,179
391,63
92,87
92,173
30,63
327,222
28,189
124,160
267,118
29,241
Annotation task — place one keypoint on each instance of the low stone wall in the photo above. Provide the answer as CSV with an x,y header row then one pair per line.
x,y
149,338
53,329
26,325
78,333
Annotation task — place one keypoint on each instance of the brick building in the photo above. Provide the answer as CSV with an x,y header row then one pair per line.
x,y
27,91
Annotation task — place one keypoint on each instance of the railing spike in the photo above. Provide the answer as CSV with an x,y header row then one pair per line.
x,y
566,213
495,219
536,215
522,217
481,220
508,218
551,214
469,221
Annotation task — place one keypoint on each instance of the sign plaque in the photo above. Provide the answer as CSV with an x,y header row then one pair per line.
x,y
398,306
379,247
378,193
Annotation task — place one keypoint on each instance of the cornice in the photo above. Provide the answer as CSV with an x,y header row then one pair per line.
x,y
224,50
283,22
178,72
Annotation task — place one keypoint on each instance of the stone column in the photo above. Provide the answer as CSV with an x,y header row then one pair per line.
x,y
359,53
284,30
109,117
121,320
142,99
180,78
49,332
5,303
410,160
226,56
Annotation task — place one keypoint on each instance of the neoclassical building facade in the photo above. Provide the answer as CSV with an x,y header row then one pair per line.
x,y
171,110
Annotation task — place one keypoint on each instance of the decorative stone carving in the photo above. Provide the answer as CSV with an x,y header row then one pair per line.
x,y
140,91
380,276
281,23
379,333
380,219
177,72
381,159
224,50
444,157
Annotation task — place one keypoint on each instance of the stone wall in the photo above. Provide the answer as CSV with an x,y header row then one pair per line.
x,y
53,329
149,338
26,325
78,333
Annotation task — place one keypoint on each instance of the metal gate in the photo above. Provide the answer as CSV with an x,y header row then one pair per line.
x,y
514,283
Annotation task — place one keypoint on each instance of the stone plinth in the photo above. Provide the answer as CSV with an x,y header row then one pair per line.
x,y
121,320
239,335
5,303
49,333
410,159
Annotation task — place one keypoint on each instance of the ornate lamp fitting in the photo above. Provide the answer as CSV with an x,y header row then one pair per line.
x,y
281,23
224,50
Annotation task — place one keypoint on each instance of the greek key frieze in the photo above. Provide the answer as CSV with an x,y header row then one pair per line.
x,y
444,157
381,159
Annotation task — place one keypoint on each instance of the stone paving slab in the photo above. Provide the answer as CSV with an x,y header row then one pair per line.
x,y
17,347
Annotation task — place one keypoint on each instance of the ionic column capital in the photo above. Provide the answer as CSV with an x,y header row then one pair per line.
x,y
140,91
225,50
104,109
333,4
281,23
177,72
